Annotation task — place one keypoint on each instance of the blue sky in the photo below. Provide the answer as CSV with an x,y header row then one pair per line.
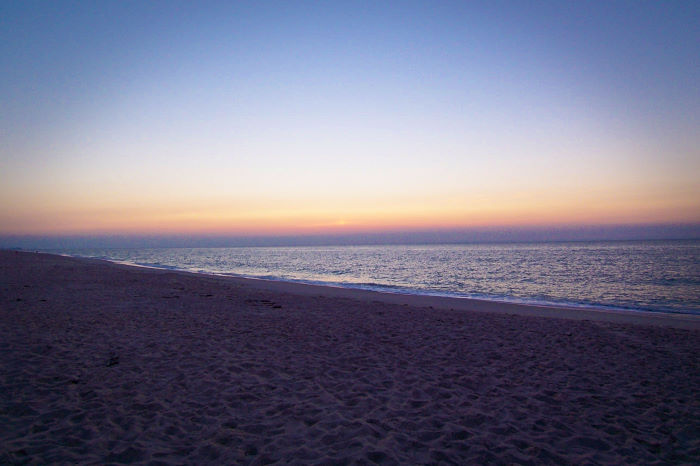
x,y
260,118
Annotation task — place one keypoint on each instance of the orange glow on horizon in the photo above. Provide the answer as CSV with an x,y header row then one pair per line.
x,y
266,219
107,211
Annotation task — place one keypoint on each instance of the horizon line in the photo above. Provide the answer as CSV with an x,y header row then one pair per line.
x,y
688,231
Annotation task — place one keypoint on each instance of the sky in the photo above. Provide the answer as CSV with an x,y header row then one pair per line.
x,y
254,119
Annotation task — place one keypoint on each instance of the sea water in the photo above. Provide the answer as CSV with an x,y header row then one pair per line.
x,y
639,275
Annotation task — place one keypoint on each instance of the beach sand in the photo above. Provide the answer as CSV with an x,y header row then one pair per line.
x,y
103,363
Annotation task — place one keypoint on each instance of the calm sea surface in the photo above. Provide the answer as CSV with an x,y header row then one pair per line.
x,y
644,275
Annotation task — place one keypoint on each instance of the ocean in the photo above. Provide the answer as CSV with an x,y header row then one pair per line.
x,y
635,275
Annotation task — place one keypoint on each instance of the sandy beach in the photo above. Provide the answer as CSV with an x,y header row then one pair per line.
x,y
104,363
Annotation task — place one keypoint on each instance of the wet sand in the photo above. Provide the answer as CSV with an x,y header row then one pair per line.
x,y
103,363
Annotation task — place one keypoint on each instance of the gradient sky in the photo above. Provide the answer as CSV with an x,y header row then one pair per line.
x,y
263,117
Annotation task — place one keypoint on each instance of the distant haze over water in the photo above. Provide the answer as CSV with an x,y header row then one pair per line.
x,y
432,236
638,275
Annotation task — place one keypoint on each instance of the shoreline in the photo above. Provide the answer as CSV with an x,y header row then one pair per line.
x,y
107,363
573,312
387,289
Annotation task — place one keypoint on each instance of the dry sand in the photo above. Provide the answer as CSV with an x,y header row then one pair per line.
x,y
101,363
